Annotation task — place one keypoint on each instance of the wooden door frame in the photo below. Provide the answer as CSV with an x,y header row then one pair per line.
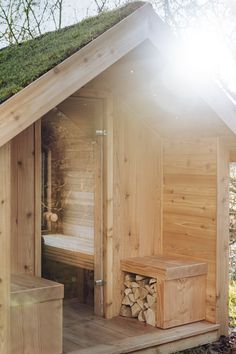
x,y
104,294
222,238
5,255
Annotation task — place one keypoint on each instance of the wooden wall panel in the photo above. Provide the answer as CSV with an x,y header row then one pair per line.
x,y
222,265
137,191
189,205
23,203
37,201
5,249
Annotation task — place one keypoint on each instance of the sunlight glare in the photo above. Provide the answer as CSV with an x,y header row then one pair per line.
x,y
204,55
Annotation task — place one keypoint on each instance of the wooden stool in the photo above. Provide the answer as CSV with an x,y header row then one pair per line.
x,y
181,287
36,315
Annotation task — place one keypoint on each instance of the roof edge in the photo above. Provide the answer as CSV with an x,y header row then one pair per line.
x,y
39,97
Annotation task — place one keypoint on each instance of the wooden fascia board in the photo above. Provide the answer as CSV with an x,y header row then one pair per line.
x,y
222,104
31,103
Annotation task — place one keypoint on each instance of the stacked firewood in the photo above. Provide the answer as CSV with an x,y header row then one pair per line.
x,y
140,298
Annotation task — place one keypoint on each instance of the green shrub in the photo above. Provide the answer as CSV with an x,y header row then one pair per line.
x,y
232,303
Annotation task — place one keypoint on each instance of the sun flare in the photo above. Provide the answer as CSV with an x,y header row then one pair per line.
x,y
203,54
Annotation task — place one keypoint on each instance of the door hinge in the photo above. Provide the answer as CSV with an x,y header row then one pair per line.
x,y
101,132
100,282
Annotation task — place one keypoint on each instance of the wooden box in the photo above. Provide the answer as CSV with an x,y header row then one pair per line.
x,y
181,287
36,315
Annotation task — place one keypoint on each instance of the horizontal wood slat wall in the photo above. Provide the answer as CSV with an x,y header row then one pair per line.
x,y
189,205
22,202
137,191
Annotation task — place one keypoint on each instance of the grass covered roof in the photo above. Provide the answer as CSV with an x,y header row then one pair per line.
x,y
23,63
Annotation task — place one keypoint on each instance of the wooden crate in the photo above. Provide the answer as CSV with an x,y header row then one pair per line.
x,y
181,287
36,315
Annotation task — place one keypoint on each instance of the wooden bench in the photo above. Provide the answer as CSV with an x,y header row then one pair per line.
x,y
181,287
36,315
71,250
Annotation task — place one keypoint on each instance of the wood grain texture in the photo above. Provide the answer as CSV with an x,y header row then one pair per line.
x,y
36,315
69,132
137,191
189,206
27,289
37,328
23,202
222,260
178,279
37,197
124,335
74,258
181,344
164,267
5,261
103,208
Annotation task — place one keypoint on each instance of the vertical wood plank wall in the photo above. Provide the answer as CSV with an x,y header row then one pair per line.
x,y
5,249
189,205
222,265
137,191
23,202
37,200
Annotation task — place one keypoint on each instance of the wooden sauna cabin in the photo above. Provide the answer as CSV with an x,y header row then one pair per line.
x,y
110,163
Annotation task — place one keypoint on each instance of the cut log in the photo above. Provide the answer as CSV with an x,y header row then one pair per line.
x,y
131,297
136,292
127,301
141,303
150,317
155,295
149,289
135,309
140,298
141,316
143,282
129,277
127,291
151,300
154,287
154,307
125,311
143,293
127,284
134,284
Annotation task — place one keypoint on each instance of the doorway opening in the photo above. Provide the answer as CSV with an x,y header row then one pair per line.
x,y
72,199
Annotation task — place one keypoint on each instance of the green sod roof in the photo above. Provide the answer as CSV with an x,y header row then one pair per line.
x,y
23,63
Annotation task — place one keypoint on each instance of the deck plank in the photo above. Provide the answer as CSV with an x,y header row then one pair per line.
x,y
85,332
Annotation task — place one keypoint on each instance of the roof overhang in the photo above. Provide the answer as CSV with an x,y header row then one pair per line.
x,y
32,102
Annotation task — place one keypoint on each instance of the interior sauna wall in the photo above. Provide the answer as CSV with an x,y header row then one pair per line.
x,y
137,191
189,205
68,133
24,227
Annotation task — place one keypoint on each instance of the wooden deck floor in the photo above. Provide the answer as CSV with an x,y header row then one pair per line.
x,y
85,333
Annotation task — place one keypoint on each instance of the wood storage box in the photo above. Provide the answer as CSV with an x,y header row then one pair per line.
x,y
181,287
36,315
